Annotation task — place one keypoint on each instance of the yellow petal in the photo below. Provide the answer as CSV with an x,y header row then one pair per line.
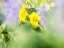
x,y
42,2
34,18
52,4
23,13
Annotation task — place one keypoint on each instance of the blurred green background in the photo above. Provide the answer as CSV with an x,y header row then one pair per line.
x,y
24,36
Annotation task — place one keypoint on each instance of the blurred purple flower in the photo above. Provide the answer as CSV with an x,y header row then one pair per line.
x,y
11,8
42,21
43,8
40,12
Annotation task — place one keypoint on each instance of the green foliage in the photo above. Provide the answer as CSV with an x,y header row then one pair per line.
x,y
30,10
0,16
25,35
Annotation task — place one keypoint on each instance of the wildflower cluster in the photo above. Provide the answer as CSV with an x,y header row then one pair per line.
x,y
34,14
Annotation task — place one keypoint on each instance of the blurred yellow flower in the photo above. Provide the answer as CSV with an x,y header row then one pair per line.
x,y
52,4
1,1
23,13
34,18
42,2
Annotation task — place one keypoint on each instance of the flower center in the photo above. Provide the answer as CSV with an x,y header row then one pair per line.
x,y
35,19
22,15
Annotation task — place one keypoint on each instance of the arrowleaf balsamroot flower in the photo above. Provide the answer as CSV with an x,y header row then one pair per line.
x,y
23,13
10,12
52,4
42,2
34,18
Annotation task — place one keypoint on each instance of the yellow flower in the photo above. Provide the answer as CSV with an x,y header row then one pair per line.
x,y
1,1
23,13
34,18
42,2
52,4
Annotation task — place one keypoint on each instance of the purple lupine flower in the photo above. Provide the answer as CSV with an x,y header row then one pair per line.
x,y
43,8
42,21
11,8
40,11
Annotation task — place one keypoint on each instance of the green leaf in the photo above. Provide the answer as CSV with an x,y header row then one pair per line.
x,y
30,10
37,29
